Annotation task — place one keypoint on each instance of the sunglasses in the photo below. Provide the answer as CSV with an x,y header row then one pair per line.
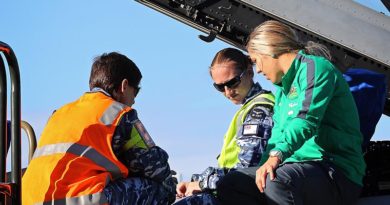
x,y
136,90
233,83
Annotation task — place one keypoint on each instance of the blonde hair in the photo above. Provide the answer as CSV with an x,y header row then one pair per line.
x,y
274,38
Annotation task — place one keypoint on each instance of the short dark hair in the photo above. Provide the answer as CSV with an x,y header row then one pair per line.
x,y
110,69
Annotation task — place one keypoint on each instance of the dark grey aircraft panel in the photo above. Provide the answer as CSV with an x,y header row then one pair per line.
x,y
356,35
346,23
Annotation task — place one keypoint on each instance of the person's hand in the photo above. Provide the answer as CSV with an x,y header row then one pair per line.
x,y
268,168
187,189
181,189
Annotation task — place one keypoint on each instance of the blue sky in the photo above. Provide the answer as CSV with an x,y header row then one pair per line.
x,y
56,41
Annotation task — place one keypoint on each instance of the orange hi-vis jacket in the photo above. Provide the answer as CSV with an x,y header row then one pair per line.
x,y
74,160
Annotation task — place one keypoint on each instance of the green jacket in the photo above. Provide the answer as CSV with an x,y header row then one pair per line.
x,y
315,117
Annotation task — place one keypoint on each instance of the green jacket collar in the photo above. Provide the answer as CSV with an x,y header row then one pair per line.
x,y
288,78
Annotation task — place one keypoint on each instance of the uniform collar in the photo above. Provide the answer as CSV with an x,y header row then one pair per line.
x,y
255,89
288,78
97,89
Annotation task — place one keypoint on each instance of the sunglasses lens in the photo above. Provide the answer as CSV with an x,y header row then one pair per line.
x,y
233,83
219,87
136,90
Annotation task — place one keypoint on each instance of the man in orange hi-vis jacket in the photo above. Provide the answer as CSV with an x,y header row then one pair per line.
x,y
95,150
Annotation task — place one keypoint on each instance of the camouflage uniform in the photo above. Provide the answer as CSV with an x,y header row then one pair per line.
x,y
203,198
251,149
150,180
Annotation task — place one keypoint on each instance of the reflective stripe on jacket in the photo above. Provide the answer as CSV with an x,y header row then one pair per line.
x,y
74,160
228,157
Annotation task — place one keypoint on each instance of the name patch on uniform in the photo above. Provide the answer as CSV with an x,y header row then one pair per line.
x,y
144,134
250,130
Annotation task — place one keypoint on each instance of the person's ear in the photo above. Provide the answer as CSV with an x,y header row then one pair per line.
x,y
124,85
118,93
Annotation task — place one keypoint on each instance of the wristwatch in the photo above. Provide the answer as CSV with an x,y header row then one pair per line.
x,y
276,153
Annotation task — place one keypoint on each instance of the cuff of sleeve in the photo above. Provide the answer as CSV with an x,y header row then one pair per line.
x,y
284,149
204,177
202,184
210,178
196,177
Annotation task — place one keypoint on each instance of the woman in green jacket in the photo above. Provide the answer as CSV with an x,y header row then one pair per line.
x,y
314,154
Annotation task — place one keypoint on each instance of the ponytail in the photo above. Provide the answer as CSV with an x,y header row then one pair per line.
x,y
313,48
274,38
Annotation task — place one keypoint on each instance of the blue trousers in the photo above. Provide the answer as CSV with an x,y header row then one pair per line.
x,y
303,183
137,191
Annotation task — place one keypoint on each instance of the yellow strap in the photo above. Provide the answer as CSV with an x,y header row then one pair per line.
x,y
264,95
135,141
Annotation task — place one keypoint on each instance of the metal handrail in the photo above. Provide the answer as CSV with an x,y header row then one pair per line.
x,y
15,124
32,140
3,124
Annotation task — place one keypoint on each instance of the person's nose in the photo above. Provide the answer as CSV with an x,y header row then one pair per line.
x,y
228,91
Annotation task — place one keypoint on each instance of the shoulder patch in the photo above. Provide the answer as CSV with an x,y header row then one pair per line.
x,y
144,133
257,113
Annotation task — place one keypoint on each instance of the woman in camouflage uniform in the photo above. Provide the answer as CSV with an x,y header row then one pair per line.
x,y
248,133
